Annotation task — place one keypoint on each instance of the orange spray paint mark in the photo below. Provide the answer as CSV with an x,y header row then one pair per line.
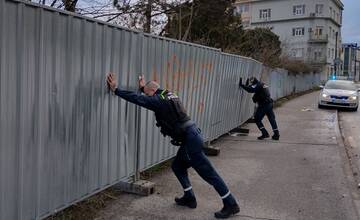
x,y
201,107
154,75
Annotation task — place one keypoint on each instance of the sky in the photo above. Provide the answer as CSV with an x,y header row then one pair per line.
x,y
351,21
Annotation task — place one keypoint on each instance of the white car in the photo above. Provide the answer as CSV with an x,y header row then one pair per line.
x,y
339,93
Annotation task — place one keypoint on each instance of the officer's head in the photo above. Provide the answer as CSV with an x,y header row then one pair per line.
x,y
253,80
151,87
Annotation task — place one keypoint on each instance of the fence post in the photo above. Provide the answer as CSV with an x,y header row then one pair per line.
x,y
138,112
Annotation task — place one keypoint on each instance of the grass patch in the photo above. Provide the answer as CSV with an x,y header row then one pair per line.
x,y
155,170
87,209
90,207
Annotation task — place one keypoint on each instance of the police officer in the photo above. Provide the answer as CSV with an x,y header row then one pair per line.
x,y
173,121
265,106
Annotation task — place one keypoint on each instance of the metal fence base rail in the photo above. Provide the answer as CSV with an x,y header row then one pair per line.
x,y
211,150
140,187
64,137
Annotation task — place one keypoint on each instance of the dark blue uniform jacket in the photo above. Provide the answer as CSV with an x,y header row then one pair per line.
x,y
153,103
262,94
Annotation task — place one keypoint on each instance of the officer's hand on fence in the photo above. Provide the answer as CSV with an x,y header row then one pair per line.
x,y
111,81
240,82
141,81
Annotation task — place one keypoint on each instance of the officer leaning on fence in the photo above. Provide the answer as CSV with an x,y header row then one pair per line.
x,y
173,121
264,106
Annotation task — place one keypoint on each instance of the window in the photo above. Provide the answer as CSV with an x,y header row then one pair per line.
x,y
337,17
330,9
319,9
243,8
317,54
333,53
318,31
298,31
265,13
340,17
333,33
297,52
299,9
330,32
329,53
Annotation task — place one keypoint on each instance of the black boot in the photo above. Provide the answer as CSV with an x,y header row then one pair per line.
x,y
227,211
186,201
276,137
263,136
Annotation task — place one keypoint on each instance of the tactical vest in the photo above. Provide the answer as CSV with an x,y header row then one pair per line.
x,y
263,95
171,116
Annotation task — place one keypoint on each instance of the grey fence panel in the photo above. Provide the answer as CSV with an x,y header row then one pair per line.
x,y
187,70
63,137
272,84
215,119
297,82
280,78
281,83
231,101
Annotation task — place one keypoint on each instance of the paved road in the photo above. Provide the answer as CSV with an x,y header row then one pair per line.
x,y
350,130
304,176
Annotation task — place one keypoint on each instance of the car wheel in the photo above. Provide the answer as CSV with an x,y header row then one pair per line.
x,y
355,109
320,106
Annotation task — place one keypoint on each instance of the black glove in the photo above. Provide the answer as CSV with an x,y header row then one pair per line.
x,y
254,99
247,82
240,82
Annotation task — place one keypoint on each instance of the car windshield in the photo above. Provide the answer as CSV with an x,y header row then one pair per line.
x,y
340,85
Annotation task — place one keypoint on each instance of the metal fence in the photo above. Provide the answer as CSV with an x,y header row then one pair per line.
x,y
64,137
282,83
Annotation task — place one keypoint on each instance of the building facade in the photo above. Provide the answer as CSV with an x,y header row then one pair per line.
x,y
351,61
309,30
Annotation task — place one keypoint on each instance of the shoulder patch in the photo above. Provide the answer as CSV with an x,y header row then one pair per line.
x,y
172,96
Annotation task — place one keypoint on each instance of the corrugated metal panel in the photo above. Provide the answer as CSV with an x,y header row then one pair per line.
x,y
62,135
188,71
233,106
281,83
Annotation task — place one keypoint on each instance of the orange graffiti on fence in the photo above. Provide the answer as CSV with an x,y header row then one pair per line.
x,y
201,107
202,78
174,77
154,75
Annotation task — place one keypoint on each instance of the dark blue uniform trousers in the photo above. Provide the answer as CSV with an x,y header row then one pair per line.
x,y
261,111
191,155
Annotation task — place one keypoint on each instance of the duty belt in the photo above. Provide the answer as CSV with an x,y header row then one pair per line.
x,y
187,124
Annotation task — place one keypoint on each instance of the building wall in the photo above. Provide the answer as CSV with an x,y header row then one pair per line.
x,y
350,56
283,20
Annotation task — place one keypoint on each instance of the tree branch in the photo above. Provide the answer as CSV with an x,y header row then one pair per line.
x,y
53,3
190,22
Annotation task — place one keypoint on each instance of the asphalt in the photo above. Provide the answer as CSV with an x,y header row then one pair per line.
x,y
350,130
305,175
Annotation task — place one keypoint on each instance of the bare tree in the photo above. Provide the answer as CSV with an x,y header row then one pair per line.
x,y
85,7
146,15
70,5
186,34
